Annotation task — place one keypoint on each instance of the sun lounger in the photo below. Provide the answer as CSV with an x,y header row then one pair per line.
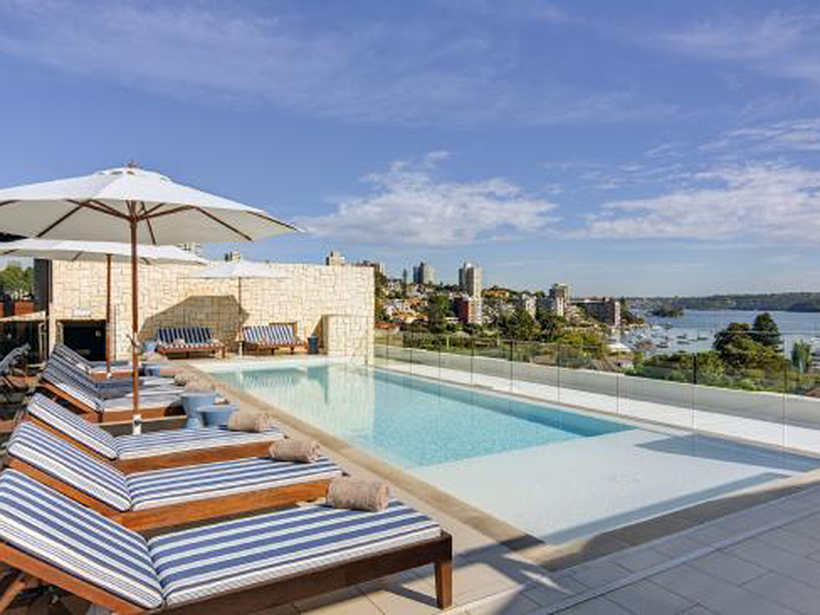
x,y
95,407
13,386
187,340
93,369
164,498
271,337
232,567
113,387
150,451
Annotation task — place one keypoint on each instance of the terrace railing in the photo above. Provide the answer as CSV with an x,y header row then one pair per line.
x,y
778,405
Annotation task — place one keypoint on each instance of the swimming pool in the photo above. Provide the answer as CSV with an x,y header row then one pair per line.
x,y
556,473
410,421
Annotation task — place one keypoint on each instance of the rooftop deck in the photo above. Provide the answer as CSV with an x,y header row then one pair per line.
x,y
756,551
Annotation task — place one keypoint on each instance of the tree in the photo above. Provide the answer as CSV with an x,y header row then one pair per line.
x,y
16,280
519,326
801,356
738,349
380,293
765,331
438,309
552,325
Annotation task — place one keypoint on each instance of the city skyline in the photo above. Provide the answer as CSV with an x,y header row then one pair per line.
x,y
631,150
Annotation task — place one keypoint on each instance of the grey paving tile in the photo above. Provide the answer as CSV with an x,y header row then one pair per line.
x,y
788,592
677,546
554,591
799,544
598,606
640,559
809,526
716,594
727,567
698,610
644,597
777,560
596,574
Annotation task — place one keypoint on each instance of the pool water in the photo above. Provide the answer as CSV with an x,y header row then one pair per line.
x,y
409,421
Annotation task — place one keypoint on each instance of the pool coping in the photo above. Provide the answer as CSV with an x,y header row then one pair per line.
x,y
552,557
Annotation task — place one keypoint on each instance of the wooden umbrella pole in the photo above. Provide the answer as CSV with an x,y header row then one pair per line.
x,y
108,315
134,314
239,317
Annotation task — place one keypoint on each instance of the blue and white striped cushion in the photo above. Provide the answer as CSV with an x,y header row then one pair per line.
x,y
201,562
163,487
66,422
193,336
181,440
66,462
281,333
68,385
46,525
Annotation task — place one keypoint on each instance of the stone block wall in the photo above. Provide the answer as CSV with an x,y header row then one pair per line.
x,y
169,296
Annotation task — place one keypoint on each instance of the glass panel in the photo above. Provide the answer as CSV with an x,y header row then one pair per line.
x,y
588,378
535,371
659,388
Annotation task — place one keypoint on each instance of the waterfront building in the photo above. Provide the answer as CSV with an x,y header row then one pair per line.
x,y
603,309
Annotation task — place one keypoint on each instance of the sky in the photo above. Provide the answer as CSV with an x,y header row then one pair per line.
x,y
625,148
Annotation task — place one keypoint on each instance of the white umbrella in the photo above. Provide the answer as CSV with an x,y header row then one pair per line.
x,y
135,206
98,251
238,270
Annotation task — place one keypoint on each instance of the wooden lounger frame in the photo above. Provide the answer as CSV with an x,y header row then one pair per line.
x,y
274,346
215,349
168,460
184,512
437,551
102,376
107,416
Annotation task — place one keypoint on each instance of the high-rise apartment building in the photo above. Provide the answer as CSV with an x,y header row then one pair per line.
x,y
380,267
233,255
468,309
559,299
527,303
192,246
469,279
335,259
424,274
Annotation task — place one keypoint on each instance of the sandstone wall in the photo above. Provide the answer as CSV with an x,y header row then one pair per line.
x,y
168,296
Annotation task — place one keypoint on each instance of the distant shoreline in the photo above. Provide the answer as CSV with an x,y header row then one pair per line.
x,y
798,303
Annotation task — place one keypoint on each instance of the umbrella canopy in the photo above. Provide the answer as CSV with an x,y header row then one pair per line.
x,y
237,270
135,206
89,206
97,251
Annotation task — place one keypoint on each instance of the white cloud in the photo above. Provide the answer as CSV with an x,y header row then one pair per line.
x,y
765,201
781,44
359,70
785,136
408,204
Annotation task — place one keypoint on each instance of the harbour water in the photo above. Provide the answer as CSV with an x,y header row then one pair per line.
x,y
695,330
